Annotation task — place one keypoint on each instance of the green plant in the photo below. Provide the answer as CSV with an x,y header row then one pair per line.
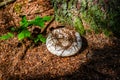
x,y
6,36
101,16
23,32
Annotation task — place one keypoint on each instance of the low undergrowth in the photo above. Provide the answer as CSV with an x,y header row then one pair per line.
x,y
23,31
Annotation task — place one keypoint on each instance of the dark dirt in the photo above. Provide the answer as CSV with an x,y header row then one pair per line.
x,y
99,58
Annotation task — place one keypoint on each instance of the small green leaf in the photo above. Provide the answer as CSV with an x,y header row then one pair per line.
x,y
38,18
37,22
36,40
46,18
24,22
23,34
41,24
41,38
6,36
12,29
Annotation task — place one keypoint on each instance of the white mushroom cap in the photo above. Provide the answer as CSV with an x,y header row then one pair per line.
x,y
63,42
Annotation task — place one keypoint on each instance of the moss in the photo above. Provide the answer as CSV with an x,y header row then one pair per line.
x,y
101,16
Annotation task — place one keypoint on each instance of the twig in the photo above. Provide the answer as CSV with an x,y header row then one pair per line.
x,y
6,2
45,28
20,56
25,49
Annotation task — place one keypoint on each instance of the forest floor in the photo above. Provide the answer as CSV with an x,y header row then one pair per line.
x,y
99,58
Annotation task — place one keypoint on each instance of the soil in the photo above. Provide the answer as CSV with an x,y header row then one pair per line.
x,y
99,58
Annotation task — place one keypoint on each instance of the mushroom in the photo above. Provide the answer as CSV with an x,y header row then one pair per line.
x,y
63,42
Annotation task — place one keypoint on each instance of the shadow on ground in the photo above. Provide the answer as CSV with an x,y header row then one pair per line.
x,y
103,64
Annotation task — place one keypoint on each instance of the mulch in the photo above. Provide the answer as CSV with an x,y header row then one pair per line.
x,y
99,58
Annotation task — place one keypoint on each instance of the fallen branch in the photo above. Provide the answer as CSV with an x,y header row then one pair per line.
x,y
6,2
